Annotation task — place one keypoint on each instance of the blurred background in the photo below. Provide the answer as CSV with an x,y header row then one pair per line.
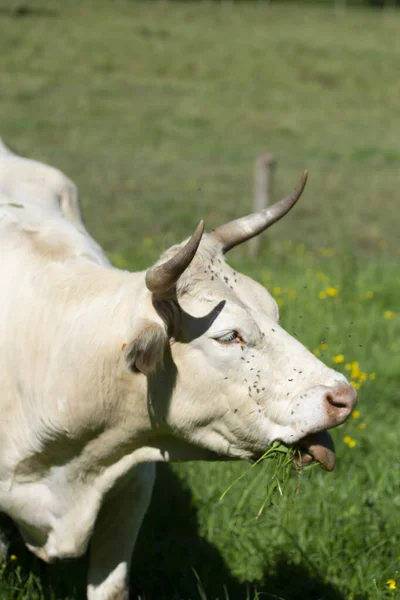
x,y
158,111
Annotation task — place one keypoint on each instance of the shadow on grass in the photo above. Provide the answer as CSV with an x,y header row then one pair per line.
x,y
28,578
170,549
172,562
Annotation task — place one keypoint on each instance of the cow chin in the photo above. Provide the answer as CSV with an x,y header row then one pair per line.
x,y
316,447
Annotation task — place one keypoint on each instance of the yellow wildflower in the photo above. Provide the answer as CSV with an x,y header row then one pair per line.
x,y
347,366
118,261
392,584
349,441
323,346
355,370
327,252
322,295
147,242
362,426
339,358
356,414
276,290
355,385
13,557
332,292
389,314
321,276
372,376
265,276
369,295
316,352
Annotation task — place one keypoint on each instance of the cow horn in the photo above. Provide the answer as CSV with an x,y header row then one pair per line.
x,y
240,230
161,278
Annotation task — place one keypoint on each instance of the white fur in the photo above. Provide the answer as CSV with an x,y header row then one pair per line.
x,y
80,427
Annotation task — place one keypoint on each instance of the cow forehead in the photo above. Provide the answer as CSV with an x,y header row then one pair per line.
x,y
210,281
256,297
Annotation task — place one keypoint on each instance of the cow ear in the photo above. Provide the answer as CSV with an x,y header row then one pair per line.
x,y
146,350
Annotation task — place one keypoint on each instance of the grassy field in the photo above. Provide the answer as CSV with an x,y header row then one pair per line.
x,y
158,111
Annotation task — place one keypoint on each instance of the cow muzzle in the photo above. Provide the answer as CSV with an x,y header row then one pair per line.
x,y
339,402
318,447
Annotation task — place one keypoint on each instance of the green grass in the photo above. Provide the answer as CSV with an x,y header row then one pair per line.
x,y
158,111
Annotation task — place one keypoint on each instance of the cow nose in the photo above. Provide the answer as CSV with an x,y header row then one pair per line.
x,y
340,401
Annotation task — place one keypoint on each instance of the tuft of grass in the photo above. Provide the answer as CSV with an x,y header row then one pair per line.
x,y
277,477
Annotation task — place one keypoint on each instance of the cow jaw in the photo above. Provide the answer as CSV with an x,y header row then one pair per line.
x,y
317,447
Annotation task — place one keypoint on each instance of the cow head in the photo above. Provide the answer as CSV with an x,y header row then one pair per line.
x,y
222,374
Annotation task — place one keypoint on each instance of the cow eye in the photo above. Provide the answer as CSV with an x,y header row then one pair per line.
x,y
232,337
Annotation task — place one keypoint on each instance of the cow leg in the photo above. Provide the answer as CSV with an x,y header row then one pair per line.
x,y
115,534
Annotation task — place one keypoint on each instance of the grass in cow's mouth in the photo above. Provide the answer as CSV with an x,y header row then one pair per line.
x,y
279,476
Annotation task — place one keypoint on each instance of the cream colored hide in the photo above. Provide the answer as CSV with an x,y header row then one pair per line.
x,y
101,377
45,194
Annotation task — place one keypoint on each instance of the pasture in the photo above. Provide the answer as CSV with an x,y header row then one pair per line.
x,y
157,111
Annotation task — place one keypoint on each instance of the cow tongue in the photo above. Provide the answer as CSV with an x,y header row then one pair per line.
x,y
316,447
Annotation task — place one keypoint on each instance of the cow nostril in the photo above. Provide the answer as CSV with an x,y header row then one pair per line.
x,y
334,401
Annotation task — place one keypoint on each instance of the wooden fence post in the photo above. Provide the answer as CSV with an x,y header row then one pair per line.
x,y
263,176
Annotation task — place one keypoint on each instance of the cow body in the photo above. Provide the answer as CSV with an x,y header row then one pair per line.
x,y
100,377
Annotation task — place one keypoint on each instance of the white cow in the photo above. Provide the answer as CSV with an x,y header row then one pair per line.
x,y
104,372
